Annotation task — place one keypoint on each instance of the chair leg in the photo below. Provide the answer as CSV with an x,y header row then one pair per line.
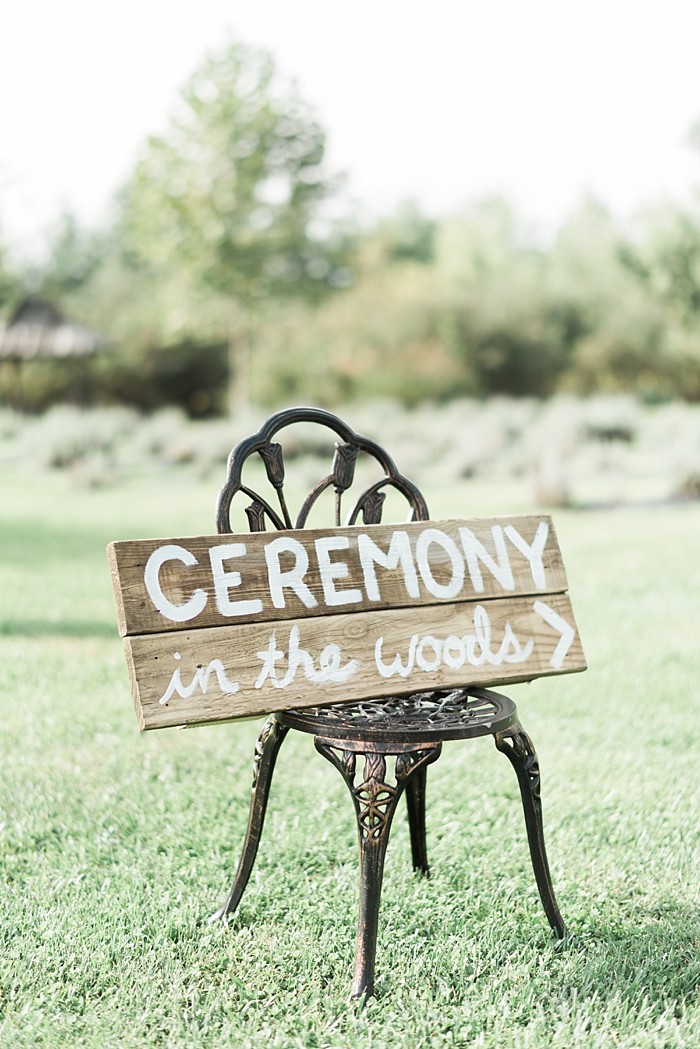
x,y
375,802
519,749
415,802
266,749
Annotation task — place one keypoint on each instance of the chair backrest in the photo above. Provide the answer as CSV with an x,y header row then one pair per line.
x,y
351,488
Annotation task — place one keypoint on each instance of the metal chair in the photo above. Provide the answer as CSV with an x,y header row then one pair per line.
x,y
362,740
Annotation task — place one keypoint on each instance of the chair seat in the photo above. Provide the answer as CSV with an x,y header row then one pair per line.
x,y
422,717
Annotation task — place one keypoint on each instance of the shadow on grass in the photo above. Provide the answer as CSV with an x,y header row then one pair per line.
x,y
651,965
27,542
650,971
74,628
656,956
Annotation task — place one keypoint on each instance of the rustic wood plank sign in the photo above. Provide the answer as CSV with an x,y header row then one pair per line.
x,y
229,626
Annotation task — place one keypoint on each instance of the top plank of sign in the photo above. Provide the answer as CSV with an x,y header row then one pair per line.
x,y
205,581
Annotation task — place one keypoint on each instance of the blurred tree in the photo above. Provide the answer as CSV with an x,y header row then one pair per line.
x,y
11,281
663,254
74,255
229,200
613,328
666,258
378,339
497,316
408,234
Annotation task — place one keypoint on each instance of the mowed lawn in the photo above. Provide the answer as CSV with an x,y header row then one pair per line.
x,y
116,846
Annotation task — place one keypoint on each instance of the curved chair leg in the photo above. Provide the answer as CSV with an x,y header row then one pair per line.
x,y
266,749
375,802
415,802
519,749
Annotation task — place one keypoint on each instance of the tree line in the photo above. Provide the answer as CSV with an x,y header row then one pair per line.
x,y
230,273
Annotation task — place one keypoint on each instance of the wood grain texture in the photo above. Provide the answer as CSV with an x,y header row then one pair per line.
x,y
448,645
137,612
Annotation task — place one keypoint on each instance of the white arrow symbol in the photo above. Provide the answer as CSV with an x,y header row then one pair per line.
x,y
559,624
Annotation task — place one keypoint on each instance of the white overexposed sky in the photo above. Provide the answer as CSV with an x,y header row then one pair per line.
x,y
442,101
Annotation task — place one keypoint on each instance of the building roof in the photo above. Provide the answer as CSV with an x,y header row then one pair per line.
x,y
37,329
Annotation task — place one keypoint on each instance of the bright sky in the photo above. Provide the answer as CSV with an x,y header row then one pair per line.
x,y
442,101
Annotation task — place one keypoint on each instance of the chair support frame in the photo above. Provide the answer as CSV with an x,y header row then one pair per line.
x,y
381,748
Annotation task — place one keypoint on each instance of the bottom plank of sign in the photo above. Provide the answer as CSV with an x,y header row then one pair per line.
x,y
200,676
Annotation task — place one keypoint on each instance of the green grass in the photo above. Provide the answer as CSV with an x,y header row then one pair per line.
x,y
115,846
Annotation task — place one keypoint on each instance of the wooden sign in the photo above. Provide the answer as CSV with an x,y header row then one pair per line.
x,y
228,626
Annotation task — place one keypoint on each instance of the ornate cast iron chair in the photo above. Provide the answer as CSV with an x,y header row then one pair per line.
x,y
361,740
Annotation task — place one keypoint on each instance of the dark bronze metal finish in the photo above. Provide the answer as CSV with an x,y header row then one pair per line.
x,y
461,713
369,502
266,750
375,799
519,749
363,740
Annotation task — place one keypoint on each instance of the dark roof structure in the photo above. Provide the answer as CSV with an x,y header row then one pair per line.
x,y
37,329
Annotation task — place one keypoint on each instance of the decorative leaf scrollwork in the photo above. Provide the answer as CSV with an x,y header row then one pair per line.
x,y
375,798
348,764
518,746
458,712
256,516
269,732
271,455
372,507
405,763
344,466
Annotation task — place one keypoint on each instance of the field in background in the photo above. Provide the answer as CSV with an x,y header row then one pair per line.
x,y
116,846
563,452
